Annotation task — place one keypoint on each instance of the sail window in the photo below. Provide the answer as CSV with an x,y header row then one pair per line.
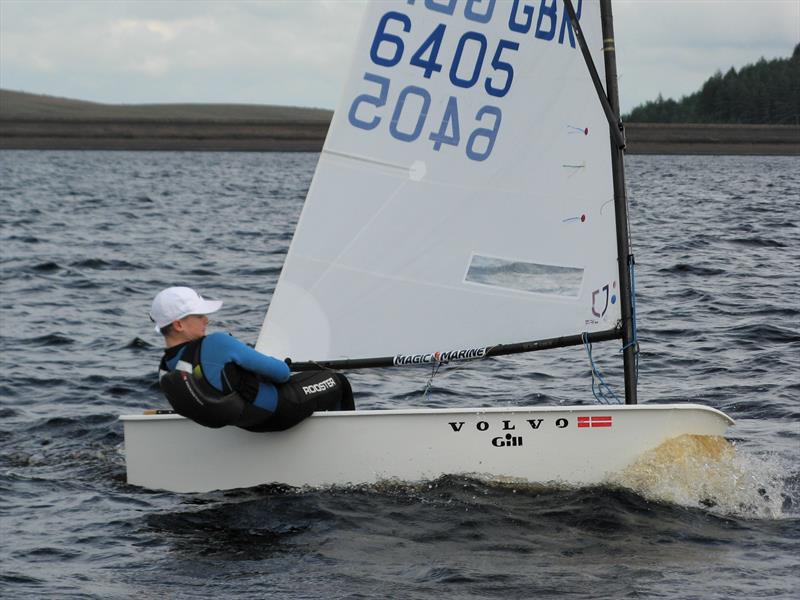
x,y
524,276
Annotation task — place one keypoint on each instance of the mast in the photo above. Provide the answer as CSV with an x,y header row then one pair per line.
x,y
624,254
609,99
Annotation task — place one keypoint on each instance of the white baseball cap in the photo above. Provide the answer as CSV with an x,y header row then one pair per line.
x,y
174,303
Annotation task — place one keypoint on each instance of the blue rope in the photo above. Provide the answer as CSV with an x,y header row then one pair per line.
x,y
434,371
601,391
635,341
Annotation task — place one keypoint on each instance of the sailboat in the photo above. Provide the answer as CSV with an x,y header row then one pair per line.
x,y
469,202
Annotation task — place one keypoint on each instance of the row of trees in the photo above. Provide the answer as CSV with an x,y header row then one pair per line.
x,y
765,92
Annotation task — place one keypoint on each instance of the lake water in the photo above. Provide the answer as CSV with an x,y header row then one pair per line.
x,y
88,238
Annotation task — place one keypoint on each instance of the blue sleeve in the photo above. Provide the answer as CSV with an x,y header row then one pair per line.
x,y
221,348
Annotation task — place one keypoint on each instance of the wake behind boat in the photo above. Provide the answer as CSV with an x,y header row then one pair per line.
x,y
467,204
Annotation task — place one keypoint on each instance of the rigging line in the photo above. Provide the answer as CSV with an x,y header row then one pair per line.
x,y
436,367
601,391
613,119
635,337
434,371
319,366
629,241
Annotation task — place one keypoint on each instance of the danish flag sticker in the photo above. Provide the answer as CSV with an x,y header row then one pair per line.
x,y
595,421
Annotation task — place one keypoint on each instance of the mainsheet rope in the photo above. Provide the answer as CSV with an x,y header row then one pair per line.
x,y
426,393
601,391
435,367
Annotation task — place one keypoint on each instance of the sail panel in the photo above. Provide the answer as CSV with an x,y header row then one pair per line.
x,y
464,195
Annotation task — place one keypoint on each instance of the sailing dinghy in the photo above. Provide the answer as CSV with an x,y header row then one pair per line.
x,y
467,204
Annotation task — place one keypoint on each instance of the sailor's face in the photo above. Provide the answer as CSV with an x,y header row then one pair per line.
x,y
194,326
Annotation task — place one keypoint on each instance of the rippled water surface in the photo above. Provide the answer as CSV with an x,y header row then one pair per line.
x,y
87,238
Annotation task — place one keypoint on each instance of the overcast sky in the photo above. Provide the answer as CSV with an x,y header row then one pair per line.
x,y
297,52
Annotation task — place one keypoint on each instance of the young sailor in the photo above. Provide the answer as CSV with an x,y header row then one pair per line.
x,y
217,380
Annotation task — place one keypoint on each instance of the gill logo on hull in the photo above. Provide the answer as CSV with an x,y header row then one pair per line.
x,y
510,437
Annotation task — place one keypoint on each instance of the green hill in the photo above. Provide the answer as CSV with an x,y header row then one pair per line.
x,y
36,122
767,92
33,107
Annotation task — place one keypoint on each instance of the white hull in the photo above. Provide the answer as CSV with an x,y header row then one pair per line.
x,y
577,445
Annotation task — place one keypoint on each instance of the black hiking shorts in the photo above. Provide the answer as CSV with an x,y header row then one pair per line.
x,y
305,393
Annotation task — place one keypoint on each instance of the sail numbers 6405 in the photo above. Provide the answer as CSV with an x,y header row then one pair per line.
x,y
471,61
387,50
411,108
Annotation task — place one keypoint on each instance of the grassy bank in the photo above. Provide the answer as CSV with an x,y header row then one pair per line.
x,y
288,135
29,121
656,138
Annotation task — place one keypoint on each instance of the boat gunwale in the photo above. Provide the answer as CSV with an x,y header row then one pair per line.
x,y
474,410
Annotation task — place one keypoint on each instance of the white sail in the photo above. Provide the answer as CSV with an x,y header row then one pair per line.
x,y
463,197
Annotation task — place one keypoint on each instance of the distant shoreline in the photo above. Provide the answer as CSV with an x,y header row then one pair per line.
x,y
305,136
196,135
691,138
39,122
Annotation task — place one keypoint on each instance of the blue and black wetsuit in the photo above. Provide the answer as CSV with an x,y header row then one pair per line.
x,y
234,372
219,352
